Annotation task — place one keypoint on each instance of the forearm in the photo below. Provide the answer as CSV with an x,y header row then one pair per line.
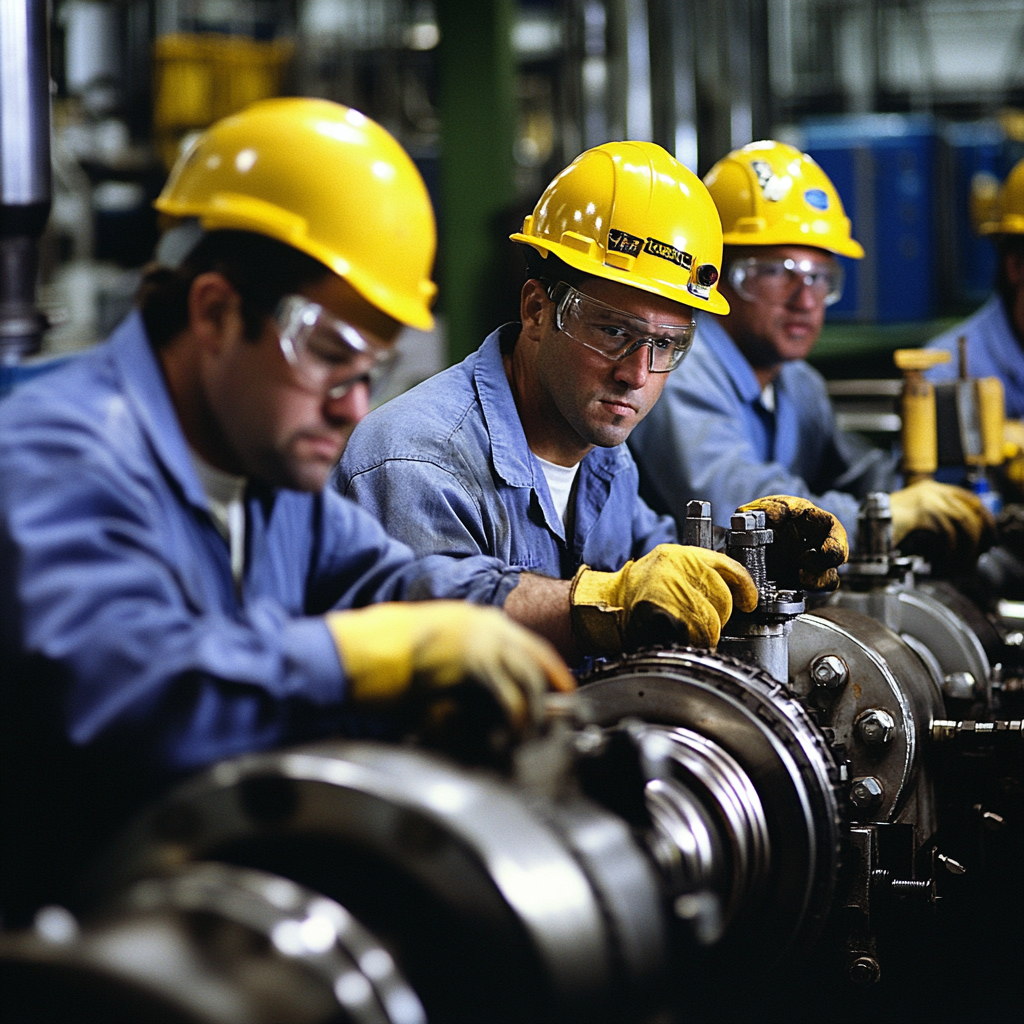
x,y
542,604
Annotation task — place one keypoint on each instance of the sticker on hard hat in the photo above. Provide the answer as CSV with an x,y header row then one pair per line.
x,y
817,198
669,252
622,241
773,188
701,280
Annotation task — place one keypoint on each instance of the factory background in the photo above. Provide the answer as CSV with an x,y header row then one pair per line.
x,y
915,108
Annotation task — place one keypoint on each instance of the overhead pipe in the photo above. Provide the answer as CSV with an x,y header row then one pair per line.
x,y
25,174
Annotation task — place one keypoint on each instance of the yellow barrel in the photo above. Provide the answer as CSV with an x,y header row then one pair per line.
x,y
199,78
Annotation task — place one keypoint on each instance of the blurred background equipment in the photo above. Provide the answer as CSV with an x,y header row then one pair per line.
x,y
915,109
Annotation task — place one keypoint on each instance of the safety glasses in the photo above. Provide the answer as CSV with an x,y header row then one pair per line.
x,y
326,354
777,280
616,334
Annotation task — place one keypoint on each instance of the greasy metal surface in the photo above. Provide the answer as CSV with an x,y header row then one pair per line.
x,y
470,839
884,674
211,944
770,737
740,813
919,614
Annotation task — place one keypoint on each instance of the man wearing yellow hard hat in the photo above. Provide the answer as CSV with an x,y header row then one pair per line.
x,y
178,585
750,416
995,333
518,452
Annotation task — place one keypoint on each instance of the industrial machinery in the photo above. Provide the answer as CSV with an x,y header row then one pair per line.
x,y
696,831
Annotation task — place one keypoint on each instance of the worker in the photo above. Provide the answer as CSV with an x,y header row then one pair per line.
x,y
178,585
995,333
749,415
518,451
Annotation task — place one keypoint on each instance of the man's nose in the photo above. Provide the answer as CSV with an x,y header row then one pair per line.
x,y
805,296
634,368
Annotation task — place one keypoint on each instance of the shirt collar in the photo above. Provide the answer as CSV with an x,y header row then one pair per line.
x,y
735,362
146,389
510,451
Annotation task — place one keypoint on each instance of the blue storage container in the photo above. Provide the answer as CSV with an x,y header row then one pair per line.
x,y
883,166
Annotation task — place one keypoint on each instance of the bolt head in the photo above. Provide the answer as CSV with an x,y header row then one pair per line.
x,y
959,685
744,522
876,727
864,970
866,793
830,672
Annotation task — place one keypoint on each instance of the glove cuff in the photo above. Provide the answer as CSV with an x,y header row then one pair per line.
x,y
375,650
595,613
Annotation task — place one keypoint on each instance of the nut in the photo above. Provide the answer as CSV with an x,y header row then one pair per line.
x,y
830,672
959,686
876,727
864,970
866,793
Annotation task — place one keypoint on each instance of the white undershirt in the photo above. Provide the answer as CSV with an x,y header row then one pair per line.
x,y
560,480
225,492
768,396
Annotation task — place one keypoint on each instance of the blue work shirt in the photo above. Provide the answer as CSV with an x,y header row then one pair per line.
x,y
992,351
128,657
446,468
711,437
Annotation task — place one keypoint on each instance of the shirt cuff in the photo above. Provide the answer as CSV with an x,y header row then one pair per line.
x,y
311,654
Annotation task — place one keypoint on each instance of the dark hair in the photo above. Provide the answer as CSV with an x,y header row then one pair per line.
x,y
261,269
551,270
1007,246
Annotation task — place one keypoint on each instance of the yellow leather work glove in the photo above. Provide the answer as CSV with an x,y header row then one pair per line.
x,y
956,518
394,651
809,546
1013,456
674,594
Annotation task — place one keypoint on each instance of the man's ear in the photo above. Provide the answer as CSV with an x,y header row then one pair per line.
x,y
214,310
534,305
1015,268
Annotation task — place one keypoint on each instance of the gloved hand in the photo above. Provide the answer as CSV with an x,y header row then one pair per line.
x,y
673,594
396,651
810,543
958,520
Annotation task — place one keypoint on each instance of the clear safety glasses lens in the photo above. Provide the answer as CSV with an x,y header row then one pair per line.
x,y
778,280
616,334
326,354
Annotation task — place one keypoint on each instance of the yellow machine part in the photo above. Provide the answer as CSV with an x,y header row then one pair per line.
x,y
917,410
1013,453
992,414
199,78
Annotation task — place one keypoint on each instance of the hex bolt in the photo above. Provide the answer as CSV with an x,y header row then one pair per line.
x,y
874,526
866,793
876,727
864,971
746,542
697,527
830,672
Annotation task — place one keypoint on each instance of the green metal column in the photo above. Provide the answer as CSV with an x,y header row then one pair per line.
x,y
477,80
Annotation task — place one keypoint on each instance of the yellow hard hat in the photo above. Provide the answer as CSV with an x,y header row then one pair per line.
x,y
769,193
983,201
1008,218
326,180
631,213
